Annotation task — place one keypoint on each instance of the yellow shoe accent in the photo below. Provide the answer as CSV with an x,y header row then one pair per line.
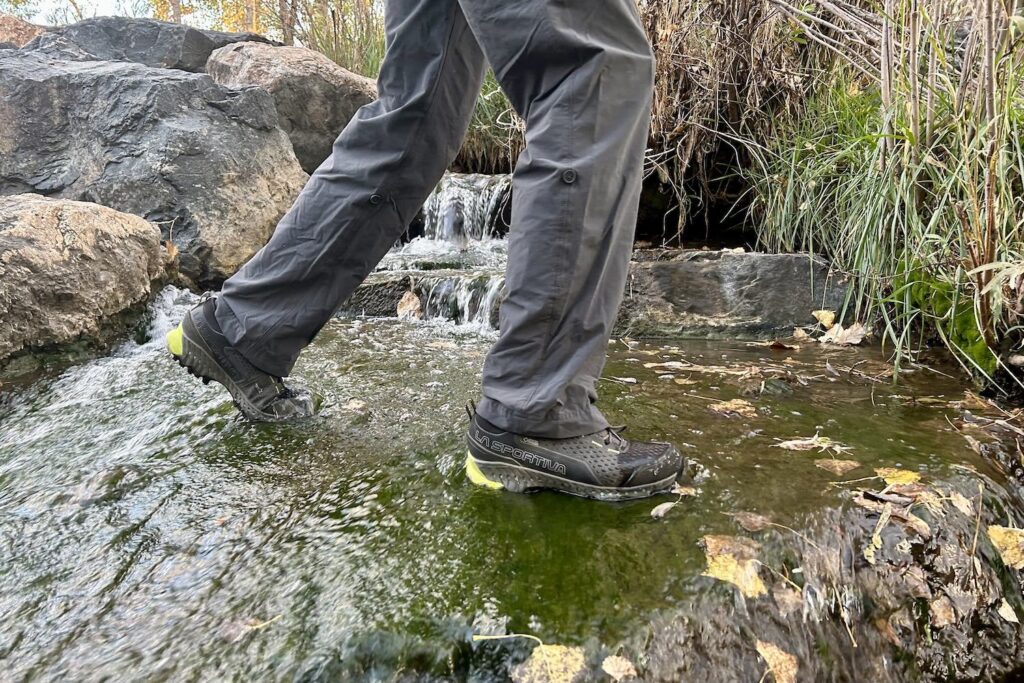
x,y
477,477
175,341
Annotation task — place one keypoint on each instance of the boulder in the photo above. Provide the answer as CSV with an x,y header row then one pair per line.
x,y
725,294
315,97
207,164
17,32
67,267
146,41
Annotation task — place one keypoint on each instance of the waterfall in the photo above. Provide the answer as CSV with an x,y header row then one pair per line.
x,y
467,207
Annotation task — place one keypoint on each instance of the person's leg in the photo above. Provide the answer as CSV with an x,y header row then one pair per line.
x,y
383,167
581,75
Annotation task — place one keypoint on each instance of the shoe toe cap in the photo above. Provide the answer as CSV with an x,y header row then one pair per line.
x,y
665,463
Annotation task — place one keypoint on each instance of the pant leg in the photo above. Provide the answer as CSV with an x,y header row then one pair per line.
x,y
357,203
581,73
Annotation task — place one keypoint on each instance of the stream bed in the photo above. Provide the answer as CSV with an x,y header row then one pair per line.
x,y
831,525
146,528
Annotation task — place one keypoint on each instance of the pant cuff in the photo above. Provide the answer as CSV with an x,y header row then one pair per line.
x,y
557,423
235,333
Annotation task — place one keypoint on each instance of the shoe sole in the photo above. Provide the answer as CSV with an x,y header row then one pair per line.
x,y
516,479
187,347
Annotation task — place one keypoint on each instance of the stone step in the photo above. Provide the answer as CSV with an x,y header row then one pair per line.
x,y
671,293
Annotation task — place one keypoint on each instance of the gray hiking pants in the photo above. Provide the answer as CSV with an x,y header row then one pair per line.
x,y
580,73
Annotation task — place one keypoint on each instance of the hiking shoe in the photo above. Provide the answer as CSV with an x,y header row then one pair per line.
x,y
200,347
603,465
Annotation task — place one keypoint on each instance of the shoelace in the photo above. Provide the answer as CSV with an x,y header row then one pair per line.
x,y
612,433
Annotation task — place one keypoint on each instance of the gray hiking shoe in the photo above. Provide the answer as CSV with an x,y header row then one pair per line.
x,y
199,346
603,465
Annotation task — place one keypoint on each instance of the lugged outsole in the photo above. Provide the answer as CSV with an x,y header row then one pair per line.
x,y
521,480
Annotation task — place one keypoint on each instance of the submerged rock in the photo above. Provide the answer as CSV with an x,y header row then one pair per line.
x,y
66,267
146,41
17,32
207,164
315,97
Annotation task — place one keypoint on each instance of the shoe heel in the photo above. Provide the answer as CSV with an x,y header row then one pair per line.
x,y
477,477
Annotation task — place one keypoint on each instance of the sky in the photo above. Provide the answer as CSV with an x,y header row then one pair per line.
x,y
98,8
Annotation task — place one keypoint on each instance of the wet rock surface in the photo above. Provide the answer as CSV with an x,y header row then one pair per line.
x,y
205,163
17,32
725,293
151,42
67,268
315,97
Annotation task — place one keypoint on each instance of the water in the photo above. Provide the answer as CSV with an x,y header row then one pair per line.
x,y
146,528
458,263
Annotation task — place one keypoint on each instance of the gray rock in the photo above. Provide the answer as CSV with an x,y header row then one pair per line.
x,y
691,294
146,41
207,164
726,294
66,267
17,32
315,97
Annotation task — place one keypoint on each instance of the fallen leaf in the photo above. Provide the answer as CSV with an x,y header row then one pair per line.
x,y
781,664
837,467
1006,612
734,560
624,380
668,365
409,307
787,599
972,401
736,406
962,503
875,544
1010,544
619,668
894,476
751,521
683,380
902,515
550,664
850,336
822,443
942,613
680,490
800,334
660,511
826,318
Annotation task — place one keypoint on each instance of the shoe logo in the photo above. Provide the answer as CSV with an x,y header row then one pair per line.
x,y
502,448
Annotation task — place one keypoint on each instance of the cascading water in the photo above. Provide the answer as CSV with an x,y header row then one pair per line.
x,y
457,264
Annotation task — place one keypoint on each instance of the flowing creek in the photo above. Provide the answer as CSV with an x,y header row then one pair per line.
x,y
145,528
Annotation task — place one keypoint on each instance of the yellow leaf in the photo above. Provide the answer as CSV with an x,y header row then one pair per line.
x,y
1010,544
826,318
550,664
781,664
837,467
875,544
893,476
734,561
619,668
736,406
